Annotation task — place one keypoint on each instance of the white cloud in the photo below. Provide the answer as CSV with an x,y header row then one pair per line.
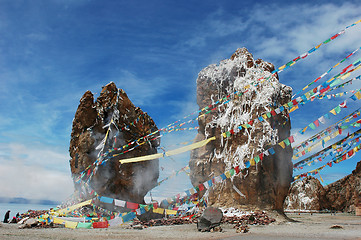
x,y
34,171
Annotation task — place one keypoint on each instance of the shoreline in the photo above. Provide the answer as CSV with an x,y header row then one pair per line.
x,y
305,226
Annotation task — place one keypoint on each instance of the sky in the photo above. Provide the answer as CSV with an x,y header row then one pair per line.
x,y
52,51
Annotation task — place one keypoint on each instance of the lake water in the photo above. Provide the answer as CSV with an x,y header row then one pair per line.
x,y
20,208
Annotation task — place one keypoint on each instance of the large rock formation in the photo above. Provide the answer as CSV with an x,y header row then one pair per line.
x,y
345,194
307,194
265,185
99,131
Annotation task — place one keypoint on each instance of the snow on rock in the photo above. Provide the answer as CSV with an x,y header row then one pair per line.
x,y
305,195
266,184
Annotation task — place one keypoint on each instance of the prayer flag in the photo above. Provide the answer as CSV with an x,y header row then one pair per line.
x,y
159,210
271,150
132,205
247,164
316,122
311,125
333,111
358,95
106,200
282,144
129,216
322,120
170,212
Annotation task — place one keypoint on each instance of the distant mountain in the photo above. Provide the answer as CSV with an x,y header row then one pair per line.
x,y
18,200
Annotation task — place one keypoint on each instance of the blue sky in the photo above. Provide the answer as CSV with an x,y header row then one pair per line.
x,y
51,52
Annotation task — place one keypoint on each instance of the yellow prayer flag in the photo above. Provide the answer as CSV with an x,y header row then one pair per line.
x,y
358,95
327,138
247,86
282,144
345,76
264,116
252,162
333,111
158,210
293,109
170,212
71,208
58,220
69,224
228,174
320,177
319,45
282,67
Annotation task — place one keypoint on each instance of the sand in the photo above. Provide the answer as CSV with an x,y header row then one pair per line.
x,y
315,226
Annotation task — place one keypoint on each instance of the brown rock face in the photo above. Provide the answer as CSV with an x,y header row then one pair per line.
x,y
307,194
99,131
266,184
345,194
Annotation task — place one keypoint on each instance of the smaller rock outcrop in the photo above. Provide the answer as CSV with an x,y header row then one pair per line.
x,y
307,194
345,194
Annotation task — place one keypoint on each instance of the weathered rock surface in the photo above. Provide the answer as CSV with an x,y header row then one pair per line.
x,y
264,186
306,194
345,194
100,129
342,195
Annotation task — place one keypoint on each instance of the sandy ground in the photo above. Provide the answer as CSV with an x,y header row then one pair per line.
x,y
316,226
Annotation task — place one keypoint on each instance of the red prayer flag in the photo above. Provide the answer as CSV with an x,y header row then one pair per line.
x,y
316,123
201,187
132,205
236,169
